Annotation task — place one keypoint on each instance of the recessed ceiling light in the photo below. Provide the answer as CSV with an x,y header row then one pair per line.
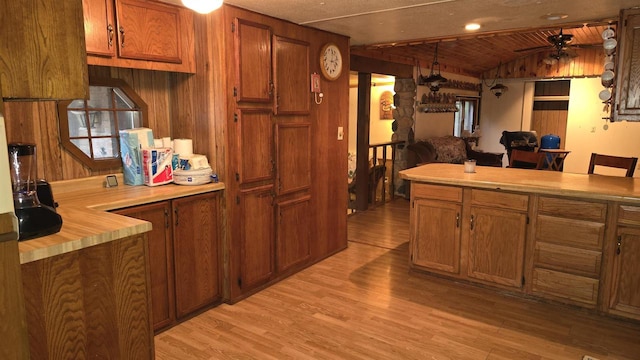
x,y
472,27
555,16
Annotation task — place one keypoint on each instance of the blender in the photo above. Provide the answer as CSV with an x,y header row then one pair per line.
x,y
34,218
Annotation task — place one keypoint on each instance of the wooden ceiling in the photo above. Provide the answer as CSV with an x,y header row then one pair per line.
x,y
475,54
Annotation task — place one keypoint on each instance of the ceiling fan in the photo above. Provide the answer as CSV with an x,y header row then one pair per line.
x,y
560,46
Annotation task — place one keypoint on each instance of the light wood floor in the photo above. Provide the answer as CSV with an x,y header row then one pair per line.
x,y
363,303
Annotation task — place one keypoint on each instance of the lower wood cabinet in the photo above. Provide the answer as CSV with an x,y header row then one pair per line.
x,y
91,303
625,284
184,257
567,250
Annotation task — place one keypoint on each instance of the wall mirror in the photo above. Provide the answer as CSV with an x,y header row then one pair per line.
x,y
89,129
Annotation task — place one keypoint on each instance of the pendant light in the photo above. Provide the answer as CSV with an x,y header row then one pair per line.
x,y
435,80
202,6
496,87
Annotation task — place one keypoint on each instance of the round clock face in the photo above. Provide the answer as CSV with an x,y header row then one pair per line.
x,y
331,61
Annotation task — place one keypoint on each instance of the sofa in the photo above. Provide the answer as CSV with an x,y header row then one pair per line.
x,y
448,149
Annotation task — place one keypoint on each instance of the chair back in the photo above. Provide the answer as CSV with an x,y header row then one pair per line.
x,y
526,159
627,163
520,140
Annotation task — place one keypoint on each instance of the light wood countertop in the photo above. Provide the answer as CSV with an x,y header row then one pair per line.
x,y
596,187
84,205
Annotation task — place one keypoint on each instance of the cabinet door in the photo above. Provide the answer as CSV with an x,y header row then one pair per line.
x,y
293,240
627,106
256,237
436,235
496,245
195,244
99,27
293,157
148,31
253,62
42,52
291,75
160,260
626,273
254,130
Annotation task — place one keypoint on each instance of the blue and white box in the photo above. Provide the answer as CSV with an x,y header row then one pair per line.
x,y
131,143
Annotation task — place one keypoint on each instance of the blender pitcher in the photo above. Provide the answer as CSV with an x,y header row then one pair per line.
x,y
34,219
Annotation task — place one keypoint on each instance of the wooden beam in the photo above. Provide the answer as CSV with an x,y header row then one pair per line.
x,y
363,64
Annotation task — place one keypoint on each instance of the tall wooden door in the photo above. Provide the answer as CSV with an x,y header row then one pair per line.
x,y
293,232
256,237
292,78
253,61
550,109
293,157
254,132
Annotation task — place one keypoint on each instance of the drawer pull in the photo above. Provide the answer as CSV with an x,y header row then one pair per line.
x,y
471,222
619,245
457,220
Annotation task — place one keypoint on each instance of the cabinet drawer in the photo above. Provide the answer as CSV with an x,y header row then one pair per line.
x,y
578,261
500,199
629,215
438,192
580,233
573,209
565,286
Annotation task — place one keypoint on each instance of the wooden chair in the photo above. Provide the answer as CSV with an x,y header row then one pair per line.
x,y
628,163
526,159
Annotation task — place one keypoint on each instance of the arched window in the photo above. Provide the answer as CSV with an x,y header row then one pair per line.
x,y
89,129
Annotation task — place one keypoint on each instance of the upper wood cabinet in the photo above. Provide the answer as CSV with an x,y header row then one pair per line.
x,y
293,159
627,103
139,34
292,78
253,62
42,52
254,131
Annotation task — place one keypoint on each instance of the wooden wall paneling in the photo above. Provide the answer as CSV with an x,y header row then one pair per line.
x,y
14,341
101,293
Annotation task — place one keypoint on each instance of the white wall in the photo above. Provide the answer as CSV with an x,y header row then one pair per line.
x,y
587,132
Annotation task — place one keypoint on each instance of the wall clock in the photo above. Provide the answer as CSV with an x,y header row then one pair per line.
x,y
331,61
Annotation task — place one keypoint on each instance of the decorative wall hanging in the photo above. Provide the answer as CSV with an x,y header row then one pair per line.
x,y
386,105
438,102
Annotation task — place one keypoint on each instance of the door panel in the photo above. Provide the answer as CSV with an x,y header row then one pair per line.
x,y
292,78
99,27
293,240
293,164
253,61
255,145
437,235
256,236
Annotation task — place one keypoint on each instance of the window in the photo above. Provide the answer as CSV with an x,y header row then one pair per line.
x,y
89,129
466,118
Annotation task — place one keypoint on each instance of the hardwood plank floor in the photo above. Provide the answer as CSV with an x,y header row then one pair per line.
x,y
363,303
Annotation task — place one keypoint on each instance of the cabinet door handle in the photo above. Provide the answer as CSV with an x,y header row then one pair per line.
x,y
457,220
121,36
166,218
110,32
619,245
471,222
175,213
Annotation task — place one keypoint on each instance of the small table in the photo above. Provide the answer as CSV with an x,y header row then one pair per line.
x,y
554,158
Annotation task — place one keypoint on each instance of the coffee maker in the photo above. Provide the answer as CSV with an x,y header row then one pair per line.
x,y
35,218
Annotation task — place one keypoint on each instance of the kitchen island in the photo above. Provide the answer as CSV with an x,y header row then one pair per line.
x,y
569,238
88,288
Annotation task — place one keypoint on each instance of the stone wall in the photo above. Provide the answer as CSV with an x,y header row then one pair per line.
x,y
403,115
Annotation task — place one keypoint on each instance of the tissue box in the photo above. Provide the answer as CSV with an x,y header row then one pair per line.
x,y
131,143
156,166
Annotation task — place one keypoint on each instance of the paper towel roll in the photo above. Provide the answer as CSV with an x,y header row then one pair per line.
x,y
166,142
157,143
183,146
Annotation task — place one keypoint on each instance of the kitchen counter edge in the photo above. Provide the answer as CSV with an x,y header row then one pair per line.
x,y
84,205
